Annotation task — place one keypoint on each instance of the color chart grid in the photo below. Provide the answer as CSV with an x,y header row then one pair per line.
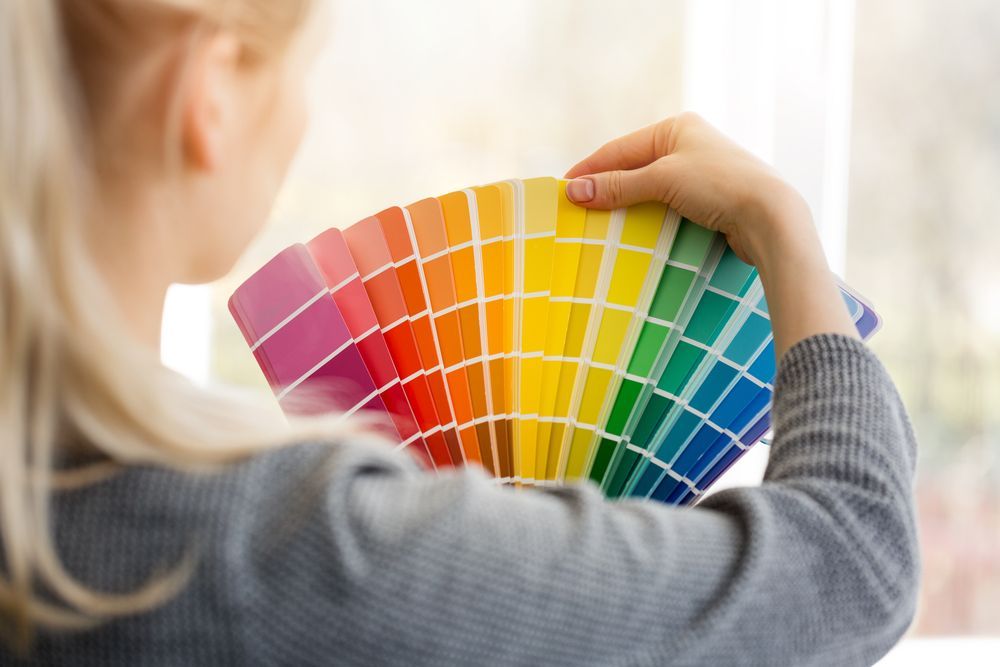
x,y
503,327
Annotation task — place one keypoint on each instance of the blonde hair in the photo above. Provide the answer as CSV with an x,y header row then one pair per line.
x,y
68,370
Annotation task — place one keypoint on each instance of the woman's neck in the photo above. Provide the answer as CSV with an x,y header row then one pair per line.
x,y
136,261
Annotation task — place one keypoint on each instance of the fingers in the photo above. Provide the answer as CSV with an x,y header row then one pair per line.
x,y
632,151
618,187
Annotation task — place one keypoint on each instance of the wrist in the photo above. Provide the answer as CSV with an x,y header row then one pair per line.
x,y
780,231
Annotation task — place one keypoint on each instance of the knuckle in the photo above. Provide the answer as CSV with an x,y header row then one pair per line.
x,y
686,118
613,186
612,147
662,175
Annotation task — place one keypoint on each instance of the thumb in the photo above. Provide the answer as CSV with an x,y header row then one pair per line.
x,y
618,188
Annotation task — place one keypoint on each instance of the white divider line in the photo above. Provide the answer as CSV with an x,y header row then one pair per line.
x,y
697,413
581,241
681,265
660,252
433,429
391,383
344,283
670,472
749,300
584,300
560,359
610,305
366,334
698,344
441,253
434,335
362,403
660,464
590,301
374,274
390,265
357,406
588,361
343,346
382,269
295,313
726,362
724,340
733,437
412,376
636,248
409,441
392,325
464,363
405,318
609,257
666,394
705,470
666,324
591,241
378,391
452,308
703,274
761,348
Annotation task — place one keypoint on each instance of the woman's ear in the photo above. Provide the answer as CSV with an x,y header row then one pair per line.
x,y
209,101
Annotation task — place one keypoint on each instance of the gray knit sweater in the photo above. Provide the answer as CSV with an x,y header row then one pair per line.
x,y
353,556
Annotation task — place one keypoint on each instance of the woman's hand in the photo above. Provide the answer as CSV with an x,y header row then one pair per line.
x,y
689,165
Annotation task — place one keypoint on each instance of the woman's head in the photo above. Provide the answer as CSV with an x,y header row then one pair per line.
x,y
141,143
193,109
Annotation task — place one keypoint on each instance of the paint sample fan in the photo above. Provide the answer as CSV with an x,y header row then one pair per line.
x,y
503,326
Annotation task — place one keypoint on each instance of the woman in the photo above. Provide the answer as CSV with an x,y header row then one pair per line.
x,y
144,520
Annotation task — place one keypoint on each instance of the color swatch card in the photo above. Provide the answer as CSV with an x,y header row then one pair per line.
x,y
505,327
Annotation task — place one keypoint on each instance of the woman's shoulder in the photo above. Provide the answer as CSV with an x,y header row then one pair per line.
x,y
153,516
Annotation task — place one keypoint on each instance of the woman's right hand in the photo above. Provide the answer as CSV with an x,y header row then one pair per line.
x,y
690,166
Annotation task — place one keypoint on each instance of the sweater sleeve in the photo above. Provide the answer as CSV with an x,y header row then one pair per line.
x,y
384,564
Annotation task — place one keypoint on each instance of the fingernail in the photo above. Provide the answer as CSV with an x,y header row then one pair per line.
x,y
580,189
